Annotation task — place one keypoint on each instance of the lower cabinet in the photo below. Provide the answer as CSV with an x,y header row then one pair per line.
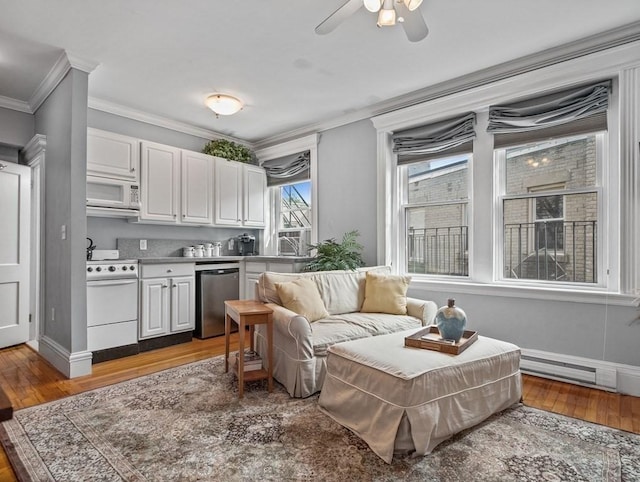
x,y
167,299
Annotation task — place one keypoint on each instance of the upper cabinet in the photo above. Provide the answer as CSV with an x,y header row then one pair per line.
x,y
197,188
176,185
159,182
240,194
112,155
254,196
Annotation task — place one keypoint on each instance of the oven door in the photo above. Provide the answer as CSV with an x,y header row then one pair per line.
x,y
112,301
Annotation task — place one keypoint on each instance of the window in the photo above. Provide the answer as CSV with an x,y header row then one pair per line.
x,y
436,194
550,209
294,218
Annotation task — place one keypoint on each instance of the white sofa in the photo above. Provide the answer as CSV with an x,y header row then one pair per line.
x,y
300,347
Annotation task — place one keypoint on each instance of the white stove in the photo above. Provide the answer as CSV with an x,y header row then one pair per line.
x,y
112,303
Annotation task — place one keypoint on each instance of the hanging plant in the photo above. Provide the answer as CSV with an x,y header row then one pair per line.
x,y
332,255
228,150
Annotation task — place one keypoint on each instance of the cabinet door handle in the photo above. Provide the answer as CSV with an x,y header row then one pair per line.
x,y
165,286
175,286
169,271
133,169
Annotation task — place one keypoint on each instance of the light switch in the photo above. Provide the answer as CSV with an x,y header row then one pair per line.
x,y
63,231
143,244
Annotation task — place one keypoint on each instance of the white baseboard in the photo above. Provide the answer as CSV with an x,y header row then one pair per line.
x,y
71,365
582,371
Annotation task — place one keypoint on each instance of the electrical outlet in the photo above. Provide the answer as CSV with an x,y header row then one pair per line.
x,y
63,231
143,244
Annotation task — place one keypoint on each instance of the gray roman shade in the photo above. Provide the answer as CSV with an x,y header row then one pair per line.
x,y
444,138
288,169
570,112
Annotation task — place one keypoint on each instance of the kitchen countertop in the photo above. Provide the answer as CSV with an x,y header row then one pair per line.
x,y
223,259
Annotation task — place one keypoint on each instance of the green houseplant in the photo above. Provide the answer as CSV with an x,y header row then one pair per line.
x,y
228,150
345,255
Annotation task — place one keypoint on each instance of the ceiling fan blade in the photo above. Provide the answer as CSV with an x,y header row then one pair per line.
x,y
414,25
337,17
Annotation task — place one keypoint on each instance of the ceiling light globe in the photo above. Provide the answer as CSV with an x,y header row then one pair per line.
x,y
223,104
373,5
386,17
412,4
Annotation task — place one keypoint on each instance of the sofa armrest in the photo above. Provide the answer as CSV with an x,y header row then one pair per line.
x,y
424,310
292,332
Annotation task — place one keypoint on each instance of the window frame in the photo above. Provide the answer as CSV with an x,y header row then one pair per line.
x,y
602,168
276,204
405,206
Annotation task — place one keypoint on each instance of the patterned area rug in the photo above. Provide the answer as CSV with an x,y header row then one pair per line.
x,y
187,424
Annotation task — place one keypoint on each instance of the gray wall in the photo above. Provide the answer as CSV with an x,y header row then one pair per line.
x,y
62,118
16,128
347,173
129,127
347,176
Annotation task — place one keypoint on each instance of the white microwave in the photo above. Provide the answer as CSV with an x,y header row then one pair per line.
x,y
113,194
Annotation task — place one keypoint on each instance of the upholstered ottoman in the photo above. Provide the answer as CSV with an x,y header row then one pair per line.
x,y
401,399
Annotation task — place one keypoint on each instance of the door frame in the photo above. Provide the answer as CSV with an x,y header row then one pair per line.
x,y
34,155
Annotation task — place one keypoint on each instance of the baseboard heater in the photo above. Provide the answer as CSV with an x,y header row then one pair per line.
x,y
568,369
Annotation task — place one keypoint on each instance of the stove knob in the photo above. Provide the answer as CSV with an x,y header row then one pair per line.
x,y
112,268
89,269
132,268
124,268
98,269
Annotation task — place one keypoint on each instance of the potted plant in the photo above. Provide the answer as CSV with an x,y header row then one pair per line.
x,y
228,150
346,255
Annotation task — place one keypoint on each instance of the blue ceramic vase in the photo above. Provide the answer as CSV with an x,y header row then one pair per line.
x,y
451,321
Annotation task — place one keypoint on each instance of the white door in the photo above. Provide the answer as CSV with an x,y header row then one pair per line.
x,y
197,188
154,307
159,182
15,197
183,313
228,192
255,194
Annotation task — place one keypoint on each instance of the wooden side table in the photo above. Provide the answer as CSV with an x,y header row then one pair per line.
x,y
248,313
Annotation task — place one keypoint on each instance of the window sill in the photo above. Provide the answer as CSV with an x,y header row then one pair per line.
x,y
594,296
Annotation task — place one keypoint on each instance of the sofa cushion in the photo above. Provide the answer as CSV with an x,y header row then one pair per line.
x,y
351,326
301,296
385,294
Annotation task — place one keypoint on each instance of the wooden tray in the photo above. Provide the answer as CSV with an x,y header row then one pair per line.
x,y
430,339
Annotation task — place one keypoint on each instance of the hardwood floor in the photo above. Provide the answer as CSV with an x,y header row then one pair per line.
x,y
29,380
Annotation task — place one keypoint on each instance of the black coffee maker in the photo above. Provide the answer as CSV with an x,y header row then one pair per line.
x,y
246,245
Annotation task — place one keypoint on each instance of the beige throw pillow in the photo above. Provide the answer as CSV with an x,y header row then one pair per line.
x,y
385,294
302,296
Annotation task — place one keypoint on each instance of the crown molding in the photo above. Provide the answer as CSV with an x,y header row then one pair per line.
x,y
15,104
306,143
35,146
160,121
589,45
65,62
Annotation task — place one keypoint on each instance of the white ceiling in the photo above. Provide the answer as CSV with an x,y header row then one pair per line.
x,y
163,57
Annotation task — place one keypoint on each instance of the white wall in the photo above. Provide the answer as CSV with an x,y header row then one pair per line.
x,y
347,184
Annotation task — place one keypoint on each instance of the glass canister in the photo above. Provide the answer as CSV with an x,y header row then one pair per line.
x,y
217,247
188,252
199,251
208,250
451,321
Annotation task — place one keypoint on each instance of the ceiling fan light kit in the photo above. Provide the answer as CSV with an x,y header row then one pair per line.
x,y
223,104
390,12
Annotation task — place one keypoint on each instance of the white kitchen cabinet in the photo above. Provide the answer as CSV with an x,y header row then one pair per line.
x,y
240,194
167,299
228,192
196,186
254,196
253,269
159,183
112,155
176,186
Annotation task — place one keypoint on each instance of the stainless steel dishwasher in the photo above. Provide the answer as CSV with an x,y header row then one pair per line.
x,y
214,285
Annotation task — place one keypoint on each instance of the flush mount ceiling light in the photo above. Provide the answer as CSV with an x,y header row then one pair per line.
x,y
390,12
223,104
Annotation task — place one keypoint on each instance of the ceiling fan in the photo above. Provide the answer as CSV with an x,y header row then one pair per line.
x,y
404,12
